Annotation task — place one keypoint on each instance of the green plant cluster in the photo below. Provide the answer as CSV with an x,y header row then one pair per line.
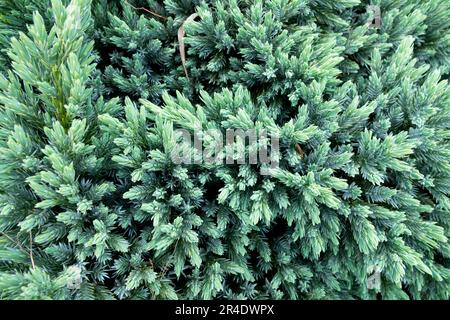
x,y
93,207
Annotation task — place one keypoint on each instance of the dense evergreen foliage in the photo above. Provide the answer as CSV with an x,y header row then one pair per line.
x,y
93,207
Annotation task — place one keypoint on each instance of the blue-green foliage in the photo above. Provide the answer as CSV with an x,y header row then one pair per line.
x,y
93,207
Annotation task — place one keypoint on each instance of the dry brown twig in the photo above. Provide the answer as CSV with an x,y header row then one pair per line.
x,y
29,250
299,150
12,240
148,11
181,33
